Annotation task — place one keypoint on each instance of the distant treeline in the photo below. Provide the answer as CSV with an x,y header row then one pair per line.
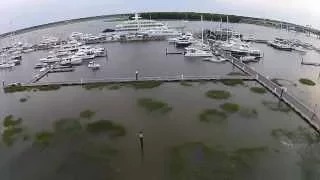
x,y
191,16
165,15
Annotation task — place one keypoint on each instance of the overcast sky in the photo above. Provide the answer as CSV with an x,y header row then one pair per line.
x,y
16,14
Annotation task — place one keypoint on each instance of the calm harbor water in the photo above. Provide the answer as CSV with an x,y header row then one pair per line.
x,y
69,159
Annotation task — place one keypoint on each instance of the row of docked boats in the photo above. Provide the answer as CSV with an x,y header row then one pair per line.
x,y
73,53
10,62
197,48
289,45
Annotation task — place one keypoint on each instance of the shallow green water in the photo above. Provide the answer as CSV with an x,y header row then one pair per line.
x,y
75,153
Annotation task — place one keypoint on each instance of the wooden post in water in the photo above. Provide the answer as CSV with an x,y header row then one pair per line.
x,y
141,136
166,51
137,75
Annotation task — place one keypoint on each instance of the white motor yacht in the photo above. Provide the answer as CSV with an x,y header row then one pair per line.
x,y
183,42
6,65
193,52
93,65
40,65
75,60
99,53
50,59
84,55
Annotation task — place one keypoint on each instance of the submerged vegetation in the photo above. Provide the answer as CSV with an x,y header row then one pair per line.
x,y
212,115
10,121
259,90
236,74
10,133
299,135
20,88
67,125
91,86
145,84
106,126
307,82
12,129
87,114
232,82
218,94
43,137
154,105
276,106
15,88
23,100
230,107
248,112
185,83
48,87
114,87
196,160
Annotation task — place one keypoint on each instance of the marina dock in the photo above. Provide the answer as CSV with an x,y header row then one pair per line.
x,y
56,70
178,78
39,76
299,107
310,63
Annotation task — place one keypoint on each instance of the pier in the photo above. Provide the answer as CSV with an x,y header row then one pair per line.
x,y
37,77
299,107
56,70
177,78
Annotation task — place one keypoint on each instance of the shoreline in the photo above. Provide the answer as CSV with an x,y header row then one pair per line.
x,y
191,16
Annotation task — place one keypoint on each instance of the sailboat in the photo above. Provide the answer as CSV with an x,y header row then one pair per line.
x,y
199,50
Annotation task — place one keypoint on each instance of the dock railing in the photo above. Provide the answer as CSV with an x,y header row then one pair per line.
x,y
280,92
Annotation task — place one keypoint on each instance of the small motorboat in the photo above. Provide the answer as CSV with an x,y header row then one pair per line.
x,y
93,65
40,65
246,59
15,62
43,69
215,59
16,58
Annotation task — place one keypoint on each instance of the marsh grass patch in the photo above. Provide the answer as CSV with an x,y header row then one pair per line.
x,y
218,94
307,82
276,106
230,107
106,126
212,115
154,105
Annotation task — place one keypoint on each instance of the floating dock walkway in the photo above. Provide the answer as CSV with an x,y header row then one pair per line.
x,y
304,111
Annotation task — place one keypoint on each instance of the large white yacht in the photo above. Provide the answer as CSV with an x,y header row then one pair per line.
x,y
146,26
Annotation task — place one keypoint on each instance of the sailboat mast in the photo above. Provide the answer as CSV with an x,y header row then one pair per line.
x,y
202,29
228,28
220,28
